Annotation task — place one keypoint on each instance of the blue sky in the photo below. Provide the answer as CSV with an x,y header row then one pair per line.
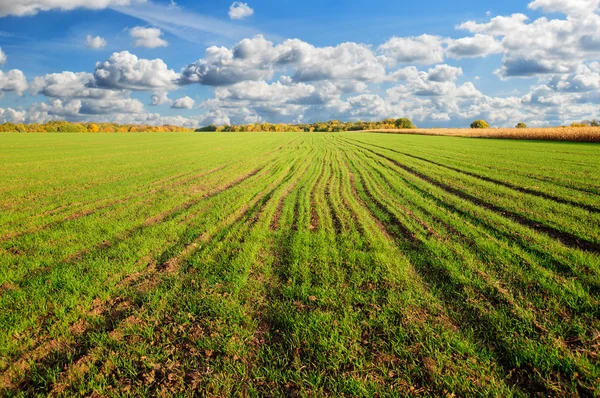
x,y
440,63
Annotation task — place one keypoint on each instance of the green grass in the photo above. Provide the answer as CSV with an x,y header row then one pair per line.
x,y
298,264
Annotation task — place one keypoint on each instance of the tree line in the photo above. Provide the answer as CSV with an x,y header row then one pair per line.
x,y
68,127
329,126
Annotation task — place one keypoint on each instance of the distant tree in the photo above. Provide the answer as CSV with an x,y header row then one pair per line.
x,y
93,128
67,127
403,123
212,127
480,124
521,125
595,123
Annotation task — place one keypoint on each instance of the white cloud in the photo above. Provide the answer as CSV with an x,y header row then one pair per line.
x,y
528,66
472,47
444,73
32,7
498,26
258,59
12,115
346,61
147,37
111,106
100,110
586,78
251,59
239,10
95,43
183,103
13,81
126,71
568,7
424,49
543,46
264,92
438,83
3,57
159,98
69,85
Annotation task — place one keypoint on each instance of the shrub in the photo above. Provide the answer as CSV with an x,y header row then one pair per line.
x,y
403,123
579,125
521,125
480,124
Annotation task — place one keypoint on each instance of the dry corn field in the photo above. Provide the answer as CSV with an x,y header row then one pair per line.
x,y
576,134
304,264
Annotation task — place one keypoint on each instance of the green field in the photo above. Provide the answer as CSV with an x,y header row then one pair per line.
x,y
298,264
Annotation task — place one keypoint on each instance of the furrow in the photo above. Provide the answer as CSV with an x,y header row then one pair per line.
x,y
566,238
533,192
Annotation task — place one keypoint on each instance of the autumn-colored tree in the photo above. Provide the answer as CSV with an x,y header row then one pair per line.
x,y
480,124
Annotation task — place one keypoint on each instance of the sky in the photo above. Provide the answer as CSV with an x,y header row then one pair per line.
x,y
195,62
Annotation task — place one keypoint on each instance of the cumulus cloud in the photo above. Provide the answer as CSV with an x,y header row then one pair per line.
x,y
239,10
568,7
111,105
258,59
12,115
498,26
281,101
471,47
69,85
31,7
527,66
367,107
99,110
543,46
444,73
3,57
346,61
262,91
159,98
251,59
586,78
183,103
95,43
13,81
126,71
109,109
147,37
424,49
437,82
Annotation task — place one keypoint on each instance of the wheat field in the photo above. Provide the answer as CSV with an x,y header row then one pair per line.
x,y
303,264
577,134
